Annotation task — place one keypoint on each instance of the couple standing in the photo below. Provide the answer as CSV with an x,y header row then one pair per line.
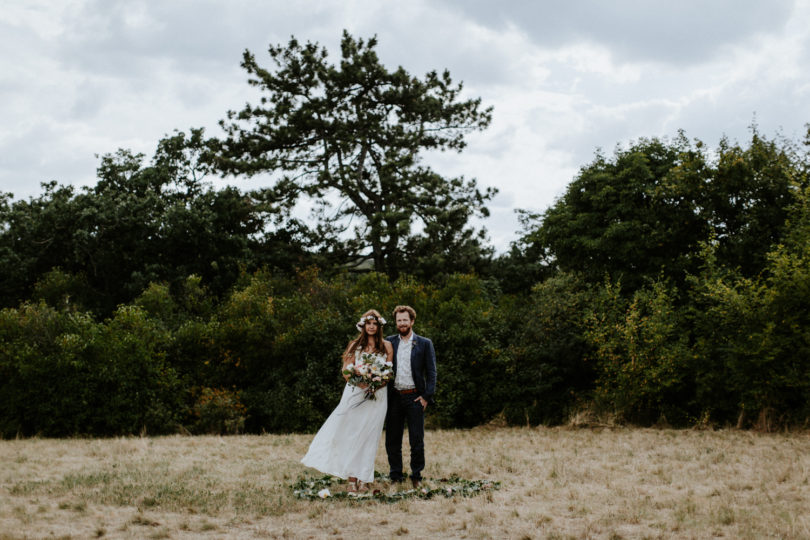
x,y
346,444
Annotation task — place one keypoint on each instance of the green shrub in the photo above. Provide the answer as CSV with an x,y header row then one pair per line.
x,y
218,411
549,372
642,353
64,374
754,335
465,326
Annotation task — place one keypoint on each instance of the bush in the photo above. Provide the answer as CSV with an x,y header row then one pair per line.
x,y
218,411
550,371
466,328
754,335
64,374
641,348
280,341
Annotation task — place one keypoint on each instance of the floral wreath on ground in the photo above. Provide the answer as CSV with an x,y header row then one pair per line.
x,y
313,488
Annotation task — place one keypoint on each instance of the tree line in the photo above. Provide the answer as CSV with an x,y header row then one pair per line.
x,y
669,284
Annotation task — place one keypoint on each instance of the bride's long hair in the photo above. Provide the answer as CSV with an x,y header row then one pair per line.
x,y
362,340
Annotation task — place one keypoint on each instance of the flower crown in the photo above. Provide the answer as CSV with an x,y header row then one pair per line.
x,y
363,320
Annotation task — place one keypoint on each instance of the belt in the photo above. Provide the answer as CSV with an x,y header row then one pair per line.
x,y
408,391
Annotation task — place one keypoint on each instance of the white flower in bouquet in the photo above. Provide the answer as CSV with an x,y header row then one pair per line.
x,y
371,370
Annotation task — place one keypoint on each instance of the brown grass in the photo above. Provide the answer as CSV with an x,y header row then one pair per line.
x,y
556,483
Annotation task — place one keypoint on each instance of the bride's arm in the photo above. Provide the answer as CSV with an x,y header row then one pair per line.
x,y
389,354
347,359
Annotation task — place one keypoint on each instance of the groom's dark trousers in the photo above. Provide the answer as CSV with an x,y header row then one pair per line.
x,y
403,408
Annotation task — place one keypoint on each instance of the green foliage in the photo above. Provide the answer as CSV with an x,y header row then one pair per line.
x,y
754,334
152,300
355,132
643,355
33,235
525,264
64,374
136,389
728,349
284,349
218,411
313,489
141,223
750,191
644,212
280,340
467,332
629,218
61,289
549,372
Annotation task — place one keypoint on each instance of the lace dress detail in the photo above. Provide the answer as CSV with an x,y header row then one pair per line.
x,y
346,445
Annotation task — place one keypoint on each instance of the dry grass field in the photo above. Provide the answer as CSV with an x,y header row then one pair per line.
x,y
556,483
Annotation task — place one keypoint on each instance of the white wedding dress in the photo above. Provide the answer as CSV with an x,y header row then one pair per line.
x,y
346,444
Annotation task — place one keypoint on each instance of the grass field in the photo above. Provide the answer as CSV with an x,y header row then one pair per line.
x,y
555,483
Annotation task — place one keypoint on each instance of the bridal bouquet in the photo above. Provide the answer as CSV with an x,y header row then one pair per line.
x,y
370,369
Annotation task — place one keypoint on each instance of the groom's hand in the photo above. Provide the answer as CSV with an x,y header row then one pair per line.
x,y
422,401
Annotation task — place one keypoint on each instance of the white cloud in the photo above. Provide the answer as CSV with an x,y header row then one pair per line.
x,y
676,33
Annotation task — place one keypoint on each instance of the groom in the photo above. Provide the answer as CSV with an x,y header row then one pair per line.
x,y
409,395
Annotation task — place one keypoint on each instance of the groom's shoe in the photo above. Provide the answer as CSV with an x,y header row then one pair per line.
x,y
416,482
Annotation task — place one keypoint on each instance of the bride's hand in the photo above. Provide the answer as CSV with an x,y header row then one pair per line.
x,y
345,377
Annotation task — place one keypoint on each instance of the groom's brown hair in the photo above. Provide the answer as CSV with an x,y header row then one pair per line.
x,y
407,309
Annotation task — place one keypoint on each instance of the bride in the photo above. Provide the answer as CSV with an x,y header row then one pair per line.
x,y
346,444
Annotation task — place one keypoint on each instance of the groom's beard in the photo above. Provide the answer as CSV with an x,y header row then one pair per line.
x,y
405,332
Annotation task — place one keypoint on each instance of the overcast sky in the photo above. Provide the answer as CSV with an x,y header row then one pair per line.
x,y
85,77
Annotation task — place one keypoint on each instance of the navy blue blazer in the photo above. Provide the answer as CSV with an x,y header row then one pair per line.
x,y
423,365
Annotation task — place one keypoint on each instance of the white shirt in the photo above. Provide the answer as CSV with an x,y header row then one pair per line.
x,y
404,378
